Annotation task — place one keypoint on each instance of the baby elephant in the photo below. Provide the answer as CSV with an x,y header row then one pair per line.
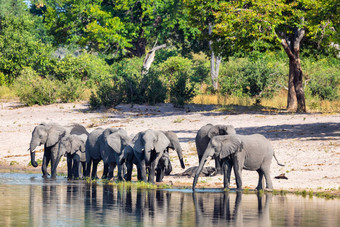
x,y
250,152
73,147
164,167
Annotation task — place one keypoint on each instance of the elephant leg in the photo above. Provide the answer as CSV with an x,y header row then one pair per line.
x,y
259,184
226,173
153,166
45,162
269,183
129,171
160,174
112,166
88,168
55,159
94,169
69,166
142,168
76,167
106,170
238,174
83,164
139,174
120,172
218,166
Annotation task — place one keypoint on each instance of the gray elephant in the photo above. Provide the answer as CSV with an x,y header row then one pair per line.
x,y
49,135
130,159
149,146
112,143
250,152
93,155
73,147
204,135
164,167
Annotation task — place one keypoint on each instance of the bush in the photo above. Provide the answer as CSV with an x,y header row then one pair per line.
x,y
176,72
109,94
323,78
32,89
85,67
260,77
70,90
181,91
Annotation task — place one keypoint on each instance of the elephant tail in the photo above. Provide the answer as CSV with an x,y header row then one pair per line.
x,y
277,160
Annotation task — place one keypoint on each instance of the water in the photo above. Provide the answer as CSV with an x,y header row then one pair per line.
x,y
29,200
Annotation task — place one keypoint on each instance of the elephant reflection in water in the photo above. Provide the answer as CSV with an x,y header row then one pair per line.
x,y
110,203
224,214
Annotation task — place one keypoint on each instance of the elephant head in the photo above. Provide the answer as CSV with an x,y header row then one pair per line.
x,y
150,140
221,130
219,147
47,134
174,144
117,140
71,144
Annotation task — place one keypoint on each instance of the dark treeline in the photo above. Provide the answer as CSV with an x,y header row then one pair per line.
x,y
155,51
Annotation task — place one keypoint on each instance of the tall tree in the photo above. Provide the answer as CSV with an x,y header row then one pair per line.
x,y
202,17
283,22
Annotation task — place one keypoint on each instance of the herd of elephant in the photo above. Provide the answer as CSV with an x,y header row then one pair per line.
x,y
149,152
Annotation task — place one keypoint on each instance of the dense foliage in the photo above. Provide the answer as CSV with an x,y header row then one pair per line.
x,y
68,50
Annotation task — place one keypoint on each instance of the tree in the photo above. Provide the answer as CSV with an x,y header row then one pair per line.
x,y
283,22
19,46
202,17
111,27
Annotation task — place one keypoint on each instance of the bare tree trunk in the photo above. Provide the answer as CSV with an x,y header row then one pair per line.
x,y
149,58
296,96
214,63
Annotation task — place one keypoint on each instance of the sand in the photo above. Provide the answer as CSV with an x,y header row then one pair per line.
x,y
307,144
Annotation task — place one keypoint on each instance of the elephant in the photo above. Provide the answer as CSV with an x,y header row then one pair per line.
x,y
149,146
49,135
129,159
93,155
112,143
164,167
73,147
204,135
251,152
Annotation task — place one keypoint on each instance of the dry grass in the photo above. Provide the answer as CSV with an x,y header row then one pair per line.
x,y
277,103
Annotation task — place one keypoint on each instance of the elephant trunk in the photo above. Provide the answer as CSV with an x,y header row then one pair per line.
x,y
178,149
147,155
33,145
208,153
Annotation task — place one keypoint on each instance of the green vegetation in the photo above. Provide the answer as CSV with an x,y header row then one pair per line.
x,y
95,51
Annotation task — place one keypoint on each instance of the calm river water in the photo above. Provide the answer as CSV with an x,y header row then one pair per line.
x,y
29,200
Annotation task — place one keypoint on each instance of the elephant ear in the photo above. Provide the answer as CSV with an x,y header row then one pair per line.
x,y
114,142
161,142
76,144
55,133
67,145
226,145
213,131
138,142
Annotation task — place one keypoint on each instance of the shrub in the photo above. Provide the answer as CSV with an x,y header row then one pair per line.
x,y
176,72
322,77
258,77
70,90
32,89
181,91
109,94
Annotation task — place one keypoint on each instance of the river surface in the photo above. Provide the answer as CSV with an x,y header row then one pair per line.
x,y
29,200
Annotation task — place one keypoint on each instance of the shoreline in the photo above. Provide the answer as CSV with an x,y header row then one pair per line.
x,y
308,144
